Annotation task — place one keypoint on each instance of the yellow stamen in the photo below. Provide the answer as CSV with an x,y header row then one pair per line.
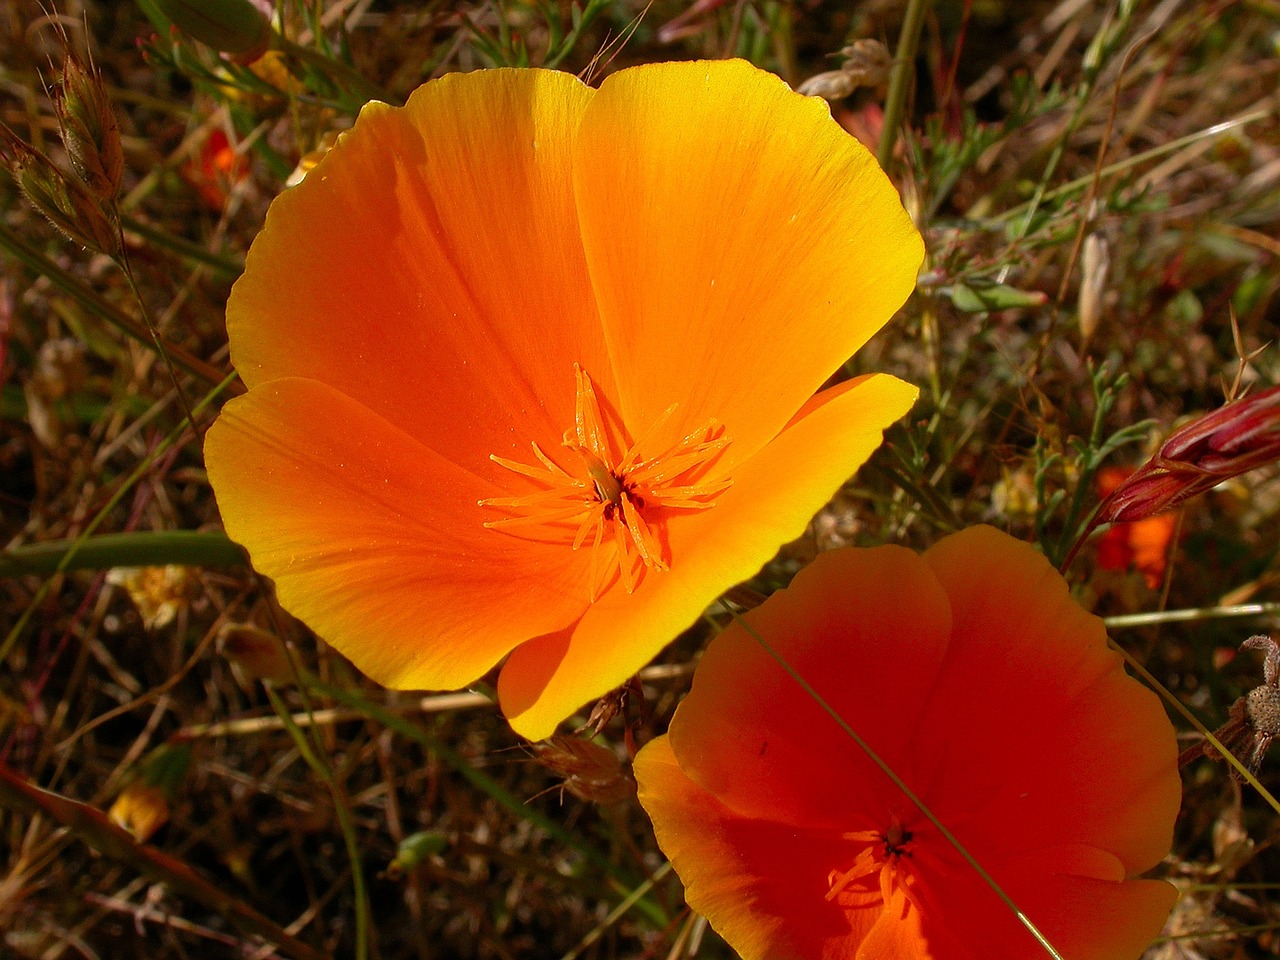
x,y
614,501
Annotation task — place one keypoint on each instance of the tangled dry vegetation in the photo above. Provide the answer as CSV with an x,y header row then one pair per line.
x,y
1099,188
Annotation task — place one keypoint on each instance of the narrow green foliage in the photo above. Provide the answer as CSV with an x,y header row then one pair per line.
x,y
236,27
505,45
140,549
1089,454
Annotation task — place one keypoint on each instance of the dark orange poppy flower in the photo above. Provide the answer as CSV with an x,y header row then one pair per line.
x,y
531,368
992,694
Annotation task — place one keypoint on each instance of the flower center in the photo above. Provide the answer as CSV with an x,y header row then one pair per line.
x,y
609,493
886,855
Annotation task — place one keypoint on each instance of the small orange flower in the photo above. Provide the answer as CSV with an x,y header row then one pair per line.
x,y
1141,544
531,368
992,694
215,169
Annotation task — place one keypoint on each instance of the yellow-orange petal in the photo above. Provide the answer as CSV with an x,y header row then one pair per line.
x,y
762,885
431,268
741,245
868,629
1089,752
376,542
773,496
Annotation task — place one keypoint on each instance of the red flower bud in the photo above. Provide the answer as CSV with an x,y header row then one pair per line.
x,y
1234,439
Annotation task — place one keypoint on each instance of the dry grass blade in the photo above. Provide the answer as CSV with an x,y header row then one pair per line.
x,y
92,827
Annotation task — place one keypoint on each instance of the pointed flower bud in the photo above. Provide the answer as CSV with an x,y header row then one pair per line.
x,y
89,129
1231,440
236,27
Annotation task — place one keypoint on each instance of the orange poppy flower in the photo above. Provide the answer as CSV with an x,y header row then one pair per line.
x,y
992,694
215,169
531,368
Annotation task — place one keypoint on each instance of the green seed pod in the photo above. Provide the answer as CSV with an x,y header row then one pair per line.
x,y
89,129
236,27
413,850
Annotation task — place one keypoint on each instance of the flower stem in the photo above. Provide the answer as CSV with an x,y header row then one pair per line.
x,y
1193,614
319,764
122,261
900,78
193,548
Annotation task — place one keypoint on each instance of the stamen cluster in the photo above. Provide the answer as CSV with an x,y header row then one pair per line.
x,y
614,500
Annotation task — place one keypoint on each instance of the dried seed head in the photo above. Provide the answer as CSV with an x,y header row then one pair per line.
x,y
591,772
866,64
88,127
1235,438
1254,720
63,200
1262,706
830,85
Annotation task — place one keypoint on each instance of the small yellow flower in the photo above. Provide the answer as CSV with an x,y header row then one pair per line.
x,y
140,809
158,592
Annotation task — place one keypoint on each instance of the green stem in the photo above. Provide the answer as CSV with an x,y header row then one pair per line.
x,y
177,434
617,913
900,77
184,248
319,764
351,78
1098,53
486,784
190,548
